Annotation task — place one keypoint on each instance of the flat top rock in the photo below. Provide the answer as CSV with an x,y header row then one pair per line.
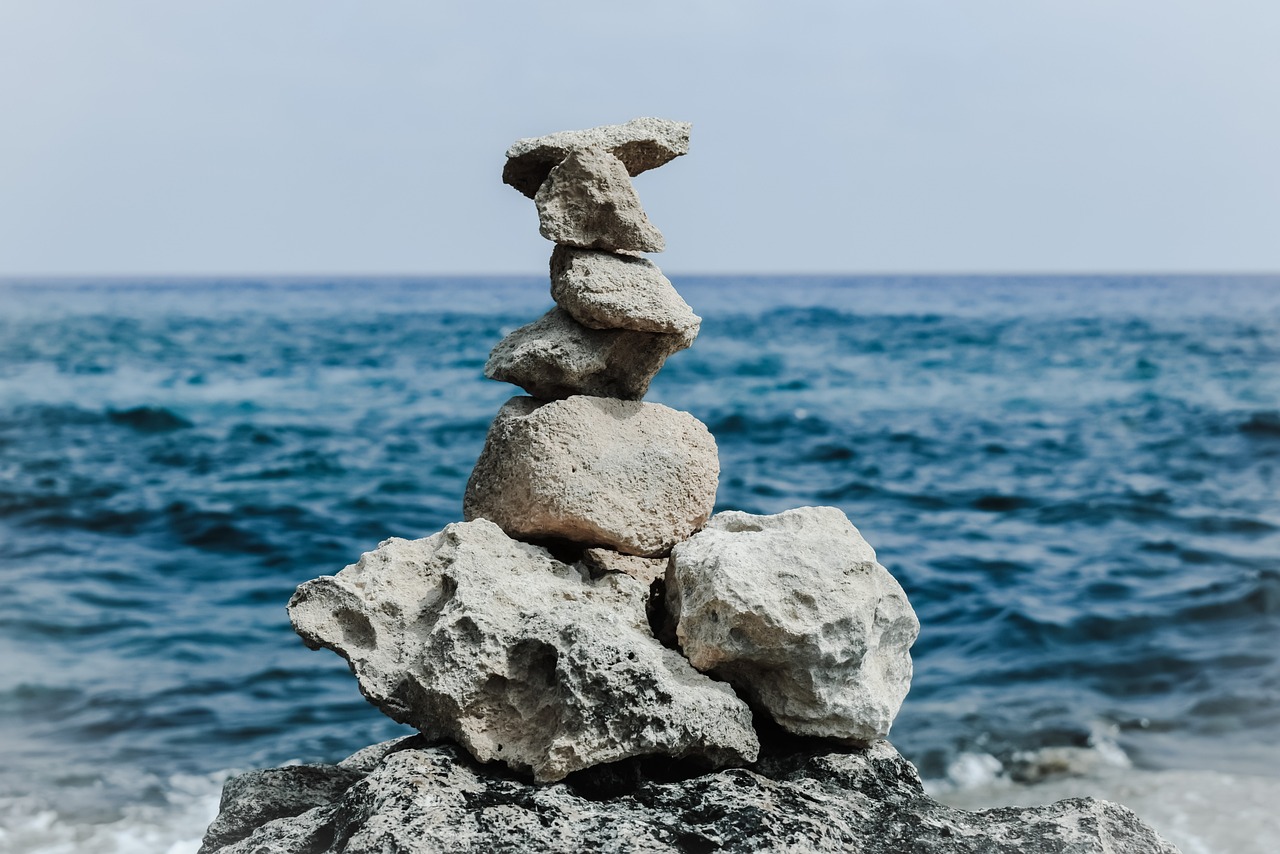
x,y
641,144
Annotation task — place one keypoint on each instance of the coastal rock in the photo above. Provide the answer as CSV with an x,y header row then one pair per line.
x,y
588,201
253,799
641,144
634,477
795,612
607,291
646,570
516,656
419,800
555,357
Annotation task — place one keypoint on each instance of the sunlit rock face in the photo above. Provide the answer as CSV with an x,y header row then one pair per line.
x,y
795,612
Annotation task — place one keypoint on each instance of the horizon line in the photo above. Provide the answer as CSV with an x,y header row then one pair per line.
x,y
13,278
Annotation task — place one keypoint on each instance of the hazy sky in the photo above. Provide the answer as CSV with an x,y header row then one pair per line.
x,y
318,136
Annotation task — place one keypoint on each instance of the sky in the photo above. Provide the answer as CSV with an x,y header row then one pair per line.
x,y
153,137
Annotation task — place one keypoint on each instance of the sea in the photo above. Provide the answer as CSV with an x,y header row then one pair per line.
x,y
1076,479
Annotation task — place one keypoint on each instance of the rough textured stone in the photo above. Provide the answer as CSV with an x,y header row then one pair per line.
x,y
864,802
608,291
516,656
634,477
646,570
795,612
253,799
641,144
588,201
555,357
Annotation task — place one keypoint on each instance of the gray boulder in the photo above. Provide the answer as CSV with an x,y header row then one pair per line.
x,y
253,799
432,799
641,144
495,644
634,477
555,357
604,290
796,613
588,201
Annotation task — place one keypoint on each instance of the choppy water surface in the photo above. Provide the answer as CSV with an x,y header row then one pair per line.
x,y
1077,481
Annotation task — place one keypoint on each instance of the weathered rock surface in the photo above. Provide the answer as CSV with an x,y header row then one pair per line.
x,y
555,357
796,613
646,570
641,144
607,291
588,201
515,655
419,800
634,477
253,799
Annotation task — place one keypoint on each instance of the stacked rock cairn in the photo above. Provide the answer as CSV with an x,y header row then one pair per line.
x,y
533,633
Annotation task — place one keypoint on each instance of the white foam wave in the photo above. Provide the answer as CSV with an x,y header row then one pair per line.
x,y
173,824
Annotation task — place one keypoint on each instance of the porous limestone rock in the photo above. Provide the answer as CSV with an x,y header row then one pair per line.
x,y
796,613
646,570
588,201
641,144
495,644
634,477
604,290
555,357
427,799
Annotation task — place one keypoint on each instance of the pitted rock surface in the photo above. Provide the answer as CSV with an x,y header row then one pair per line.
x,y
646,570
556,357
517,656
634,477
419,800
588,201
795,612
641,144
604,290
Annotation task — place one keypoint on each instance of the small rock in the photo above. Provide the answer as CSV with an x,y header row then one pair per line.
x,y
641,144
646,570
516,656
555,357
588,201
794,611
607,291
862,802
634,477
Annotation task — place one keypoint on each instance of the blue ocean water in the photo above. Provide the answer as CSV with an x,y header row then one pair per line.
x,y
1076,480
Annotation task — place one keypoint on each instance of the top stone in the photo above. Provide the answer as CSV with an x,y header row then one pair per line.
x,y
641,144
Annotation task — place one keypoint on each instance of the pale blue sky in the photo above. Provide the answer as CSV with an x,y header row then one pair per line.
x,y
317,136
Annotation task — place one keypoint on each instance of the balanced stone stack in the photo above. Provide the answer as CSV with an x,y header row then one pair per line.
x,y
591,610
583,460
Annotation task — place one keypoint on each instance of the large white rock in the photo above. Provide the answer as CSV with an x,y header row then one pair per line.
x,y
588,201
605,290
555,357
641,144
794,610
634,477
517,656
